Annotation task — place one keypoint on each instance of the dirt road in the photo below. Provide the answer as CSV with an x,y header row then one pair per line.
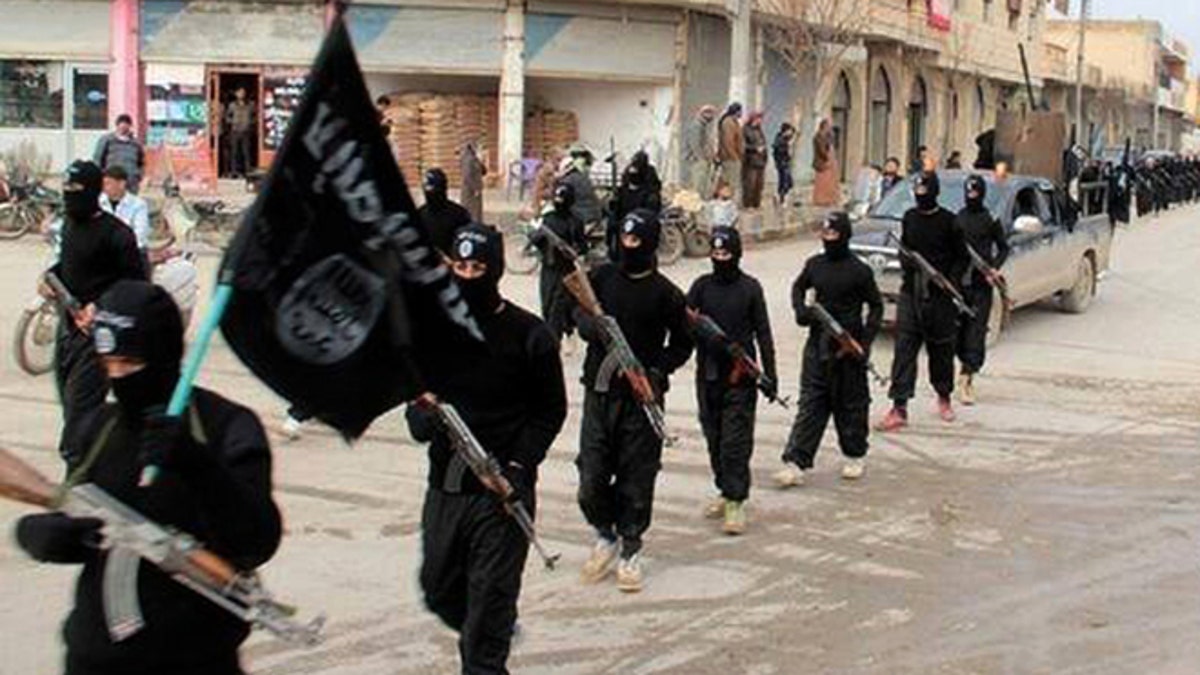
x,y
1054,529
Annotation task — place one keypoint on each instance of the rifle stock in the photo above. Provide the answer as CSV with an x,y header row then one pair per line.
x,y
22,483
743,365
934,275
847,345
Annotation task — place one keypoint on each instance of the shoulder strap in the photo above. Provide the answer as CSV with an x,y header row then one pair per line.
x,y
80,472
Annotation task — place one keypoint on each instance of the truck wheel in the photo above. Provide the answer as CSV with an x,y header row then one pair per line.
x,y
522,256
1078,298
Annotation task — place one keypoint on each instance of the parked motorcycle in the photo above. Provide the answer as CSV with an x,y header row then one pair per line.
x,y
28,206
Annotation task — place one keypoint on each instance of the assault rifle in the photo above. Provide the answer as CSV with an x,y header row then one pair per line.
x,y
934,275
743,365
993,276
847,345
62,295
620,354
129,537
486,469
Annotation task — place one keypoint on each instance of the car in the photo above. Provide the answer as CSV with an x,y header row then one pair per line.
x,y
1056,253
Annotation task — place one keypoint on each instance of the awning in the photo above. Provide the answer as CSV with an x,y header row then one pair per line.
x,y
54,30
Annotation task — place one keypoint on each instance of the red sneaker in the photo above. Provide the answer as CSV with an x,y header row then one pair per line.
x,y
895,420
946,410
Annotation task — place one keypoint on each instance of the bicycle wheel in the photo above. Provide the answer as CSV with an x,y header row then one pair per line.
x,y
521,256
33,342
15,222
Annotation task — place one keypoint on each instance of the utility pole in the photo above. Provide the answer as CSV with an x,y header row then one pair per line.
x,y
1084,10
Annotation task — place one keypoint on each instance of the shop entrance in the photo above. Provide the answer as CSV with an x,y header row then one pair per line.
x,y
235,104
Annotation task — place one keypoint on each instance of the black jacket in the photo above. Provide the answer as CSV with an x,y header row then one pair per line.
x,y
937,237
570,229
97,254
739,307
223,499
985,235
442,221
652,314
843,287
511,394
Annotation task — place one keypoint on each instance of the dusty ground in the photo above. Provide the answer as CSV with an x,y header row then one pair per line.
x,y
1053,529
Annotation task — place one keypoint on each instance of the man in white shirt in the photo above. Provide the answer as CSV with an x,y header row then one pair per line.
x,y
126,206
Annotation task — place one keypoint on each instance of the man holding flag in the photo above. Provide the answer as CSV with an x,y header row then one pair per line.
x,y
335,294
474,553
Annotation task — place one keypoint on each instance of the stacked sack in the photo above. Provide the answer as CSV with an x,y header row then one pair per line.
x,y
440,137
404,115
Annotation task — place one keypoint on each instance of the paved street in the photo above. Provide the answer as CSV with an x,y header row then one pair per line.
x,y
1053,529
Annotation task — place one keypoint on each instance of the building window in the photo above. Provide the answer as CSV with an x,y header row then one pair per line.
x,y
31,94
980,109
1014,20
91,100
987,11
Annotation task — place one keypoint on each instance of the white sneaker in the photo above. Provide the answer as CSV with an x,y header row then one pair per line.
x,y
854,469
789,476
291,428
629,574
715,510
600,563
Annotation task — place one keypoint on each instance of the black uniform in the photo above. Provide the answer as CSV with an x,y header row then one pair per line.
x,y
640,188
986,236
215,485
441,217
832,385
925,314
735,301
474,552
619,453
97,251
556,303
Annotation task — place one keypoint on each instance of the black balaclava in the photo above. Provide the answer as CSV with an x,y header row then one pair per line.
x,y
564,198
139,320
638,167
975,191
726,239
81,190
481,244
436,187
839,222
926,188
642,223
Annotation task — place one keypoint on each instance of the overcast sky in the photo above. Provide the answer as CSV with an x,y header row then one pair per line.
x,y
1181,17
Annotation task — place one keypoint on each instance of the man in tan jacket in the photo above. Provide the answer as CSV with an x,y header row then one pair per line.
x,y
731,149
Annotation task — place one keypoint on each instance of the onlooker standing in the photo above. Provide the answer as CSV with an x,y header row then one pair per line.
x,y
783,155
699,151
240,117
121,148
955,160
826,189
473,171
755,162
731,149
128,208
918,162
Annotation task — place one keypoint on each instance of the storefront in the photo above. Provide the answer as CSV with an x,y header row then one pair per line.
x,y
54,78
200,59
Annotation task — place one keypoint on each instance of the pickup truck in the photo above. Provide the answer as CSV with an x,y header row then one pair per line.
x,y
1056,253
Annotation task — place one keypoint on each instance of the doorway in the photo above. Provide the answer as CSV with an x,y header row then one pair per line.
x,y
235,121
841,123
918,111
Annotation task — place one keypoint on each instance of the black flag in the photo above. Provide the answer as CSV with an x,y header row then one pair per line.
x,y
336,290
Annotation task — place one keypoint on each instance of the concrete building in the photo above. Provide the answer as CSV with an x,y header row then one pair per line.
x,y
892,75
1141,73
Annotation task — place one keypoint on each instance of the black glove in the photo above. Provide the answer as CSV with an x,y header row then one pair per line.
x,y
522,481
422,424
805,317
659,382
59,538
165,443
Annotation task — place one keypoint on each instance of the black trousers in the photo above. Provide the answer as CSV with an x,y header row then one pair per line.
x,y
226,664
243,155
972,333
471,574
619,460
82,385
933,324
829,387
727,418
556,303
786,182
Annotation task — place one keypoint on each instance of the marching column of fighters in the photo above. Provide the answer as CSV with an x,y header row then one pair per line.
x,y
639,328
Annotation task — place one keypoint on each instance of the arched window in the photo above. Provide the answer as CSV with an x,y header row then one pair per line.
x,y
918,112
980,109
840,119
881,111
